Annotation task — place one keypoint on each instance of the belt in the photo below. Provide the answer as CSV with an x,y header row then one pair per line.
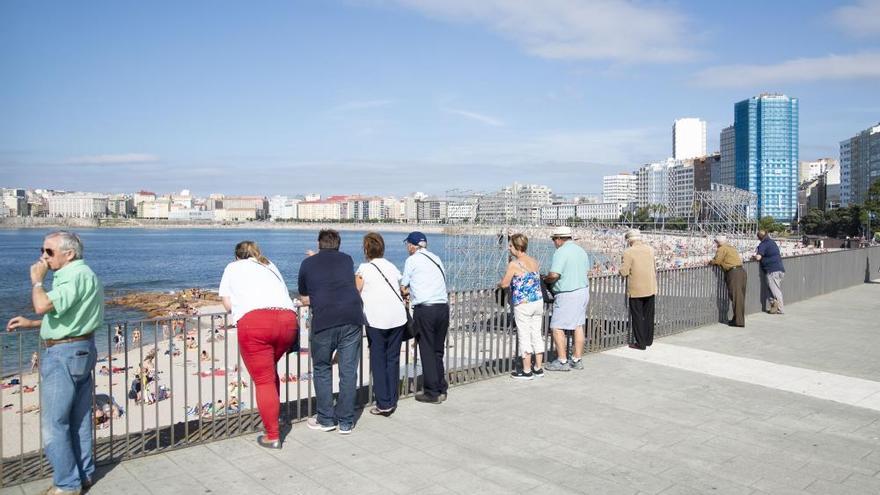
x,y
51,342
423,305
735,268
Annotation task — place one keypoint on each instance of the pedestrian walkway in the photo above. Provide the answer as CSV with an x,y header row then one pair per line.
x,y
787,404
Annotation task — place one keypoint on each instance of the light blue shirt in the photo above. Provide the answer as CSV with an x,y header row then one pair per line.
x,y
572,264
427,285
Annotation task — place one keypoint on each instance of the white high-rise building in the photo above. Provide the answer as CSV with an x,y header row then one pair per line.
x,y
619,188
667,187
688,138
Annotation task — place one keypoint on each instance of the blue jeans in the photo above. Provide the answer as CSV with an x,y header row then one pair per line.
x,y
66,387
345,340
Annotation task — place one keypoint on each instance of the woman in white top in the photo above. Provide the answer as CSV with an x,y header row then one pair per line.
x,y
254,291
378,281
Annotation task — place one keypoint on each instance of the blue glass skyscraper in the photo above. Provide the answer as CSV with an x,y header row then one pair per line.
x,y
766,150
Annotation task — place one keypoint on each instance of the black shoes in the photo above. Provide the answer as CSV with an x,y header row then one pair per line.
x,y
637,346
430,400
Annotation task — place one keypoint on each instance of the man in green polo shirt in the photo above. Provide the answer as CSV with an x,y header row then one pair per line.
x,y
72,311
569,281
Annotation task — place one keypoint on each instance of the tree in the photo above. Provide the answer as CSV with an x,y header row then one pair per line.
x,y
813,222
769,224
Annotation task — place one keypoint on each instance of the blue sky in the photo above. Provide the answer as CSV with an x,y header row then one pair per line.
x,y
373,96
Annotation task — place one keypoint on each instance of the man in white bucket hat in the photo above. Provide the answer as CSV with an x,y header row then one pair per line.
x,y
568,281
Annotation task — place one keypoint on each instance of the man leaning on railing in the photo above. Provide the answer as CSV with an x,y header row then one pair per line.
x,y
72,311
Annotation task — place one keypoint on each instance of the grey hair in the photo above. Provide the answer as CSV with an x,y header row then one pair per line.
x,y
68,241
423,244
721,239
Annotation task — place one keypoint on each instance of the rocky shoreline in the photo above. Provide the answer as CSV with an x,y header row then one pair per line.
x,y
167,304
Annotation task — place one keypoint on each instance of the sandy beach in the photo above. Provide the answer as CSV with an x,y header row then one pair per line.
x,y
181,384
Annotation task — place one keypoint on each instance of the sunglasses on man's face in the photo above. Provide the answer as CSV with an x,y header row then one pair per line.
x,y
48,251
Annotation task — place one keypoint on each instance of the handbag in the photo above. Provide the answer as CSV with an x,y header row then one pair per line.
x,y
408,330
546,293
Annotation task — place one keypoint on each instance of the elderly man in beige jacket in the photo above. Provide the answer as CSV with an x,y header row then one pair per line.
x,y
639,268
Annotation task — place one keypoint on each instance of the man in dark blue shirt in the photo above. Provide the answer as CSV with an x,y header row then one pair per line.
x,y
771,266
326,283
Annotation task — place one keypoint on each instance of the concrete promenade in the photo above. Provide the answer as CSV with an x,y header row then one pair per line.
x,y
789,404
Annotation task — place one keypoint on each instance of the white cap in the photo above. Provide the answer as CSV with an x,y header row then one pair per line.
x,y
721,239
633,235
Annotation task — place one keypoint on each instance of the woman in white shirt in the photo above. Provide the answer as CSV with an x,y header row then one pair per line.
x,y
254,291
378,281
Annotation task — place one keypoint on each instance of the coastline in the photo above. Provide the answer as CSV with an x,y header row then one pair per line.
x,y
14,223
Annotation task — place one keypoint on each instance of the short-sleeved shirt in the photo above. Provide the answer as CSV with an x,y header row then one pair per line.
x,y
251,285
771,258
327,278
77,303
572,264
383,306
425,276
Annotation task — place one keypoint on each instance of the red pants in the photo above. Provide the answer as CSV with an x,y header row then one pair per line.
x,y
264,336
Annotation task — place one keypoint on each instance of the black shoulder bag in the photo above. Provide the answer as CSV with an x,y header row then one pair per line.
x,y
409,330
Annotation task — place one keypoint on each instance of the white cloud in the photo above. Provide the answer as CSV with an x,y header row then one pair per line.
x,y
479,117
859,19
615,30
801,70
121,159
351,106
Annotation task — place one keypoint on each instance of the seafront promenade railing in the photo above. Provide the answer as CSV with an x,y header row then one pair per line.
x,y
195,388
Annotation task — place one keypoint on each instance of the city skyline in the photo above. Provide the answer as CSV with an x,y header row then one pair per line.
x,y
398,96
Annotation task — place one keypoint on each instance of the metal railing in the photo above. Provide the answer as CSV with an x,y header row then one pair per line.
x,y
177,382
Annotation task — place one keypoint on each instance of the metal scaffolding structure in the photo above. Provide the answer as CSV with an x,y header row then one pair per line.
x,y
725,209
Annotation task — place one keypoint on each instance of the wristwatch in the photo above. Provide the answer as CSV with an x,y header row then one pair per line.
x,y
38,284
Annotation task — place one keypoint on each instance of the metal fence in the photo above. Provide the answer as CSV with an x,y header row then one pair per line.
x,y
176,382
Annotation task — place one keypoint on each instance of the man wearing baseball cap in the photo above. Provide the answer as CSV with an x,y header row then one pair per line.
x,y
424,279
